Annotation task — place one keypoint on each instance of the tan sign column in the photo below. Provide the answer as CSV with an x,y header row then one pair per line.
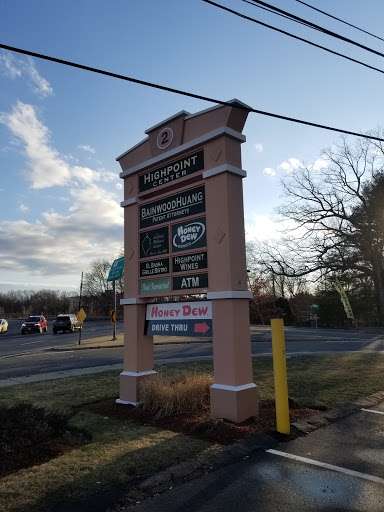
x,y
184,234
138,348
233,394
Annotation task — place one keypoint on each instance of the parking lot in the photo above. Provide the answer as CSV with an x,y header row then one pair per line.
x,y
339,467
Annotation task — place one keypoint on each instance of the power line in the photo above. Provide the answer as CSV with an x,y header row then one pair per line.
x,y
183,93
236,13
339,19
318,27
277,13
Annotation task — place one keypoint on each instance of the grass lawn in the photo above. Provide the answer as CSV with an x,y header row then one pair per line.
x,y
120,451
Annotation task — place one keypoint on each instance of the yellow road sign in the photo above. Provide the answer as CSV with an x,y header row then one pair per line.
x,y
81,315
113,316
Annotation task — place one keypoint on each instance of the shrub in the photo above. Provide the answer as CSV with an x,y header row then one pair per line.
x,y
24,425
29,435
169,395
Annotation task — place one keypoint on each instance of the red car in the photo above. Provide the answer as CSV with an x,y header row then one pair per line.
x,y
34,324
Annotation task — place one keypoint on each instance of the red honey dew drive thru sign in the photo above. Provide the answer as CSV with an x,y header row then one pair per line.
x,y
179,319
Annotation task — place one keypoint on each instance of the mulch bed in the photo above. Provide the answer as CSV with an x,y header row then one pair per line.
x,y
201,425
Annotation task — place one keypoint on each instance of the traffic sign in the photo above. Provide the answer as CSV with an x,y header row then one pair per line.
x,y
116,271
81,315
113,316
180,319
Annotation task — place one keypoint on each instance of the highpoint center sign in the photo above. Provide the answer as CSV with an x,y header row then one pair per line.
x,y
184,235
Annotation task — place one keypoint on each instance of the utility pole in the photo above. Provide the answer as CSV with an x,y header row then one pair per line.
x,y
81,289
274,292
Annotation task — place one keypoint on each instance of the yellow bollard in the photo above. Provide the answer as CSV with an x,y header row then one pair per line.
x,y
280,376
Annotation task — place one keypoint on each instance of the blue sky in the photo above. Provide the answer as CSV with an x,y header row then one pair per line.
x,y
61,129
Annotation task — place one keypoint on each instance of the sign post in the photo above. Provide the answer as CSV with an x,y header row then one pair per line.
x,y
184,235
81,315
115,272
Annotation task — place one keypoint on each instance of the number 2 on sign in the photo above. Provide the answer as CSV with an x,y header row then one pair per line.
x,y
164,138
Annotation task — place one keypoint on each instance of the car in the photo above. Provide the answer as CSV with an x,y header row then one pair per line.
x,y
3,325
34,323
64,323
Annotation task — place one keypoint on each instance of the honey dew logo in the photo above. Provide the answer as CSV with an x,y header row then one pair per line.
x,y
189,235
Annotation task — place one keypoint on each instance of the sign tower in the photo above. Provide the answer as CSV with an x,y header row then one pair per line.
x,y
184,234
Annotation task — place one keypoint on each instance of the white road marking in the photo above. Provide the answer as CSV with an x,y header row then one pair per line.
x,y
14,355
371,410
324,465
359,340
32,342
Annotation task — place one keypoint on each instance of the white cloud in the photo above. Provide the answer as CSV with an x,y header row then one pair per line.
x,y
258,147
14,67
319,164
91,229
47,167
269,171
87,148
261,227
23,207
264,228
8,67
85,174
291,165
91,226
42,86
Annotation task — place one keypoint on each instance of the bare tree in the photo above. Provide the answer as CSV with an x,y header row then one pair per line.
x,y
97,290
336,218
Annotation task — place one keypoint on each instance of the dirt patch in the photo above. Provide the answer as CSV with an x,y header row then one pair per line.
x,y
202,425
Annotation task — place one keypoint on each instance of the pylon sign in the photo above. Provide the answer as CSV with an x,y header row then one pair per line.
x,y
180,319
184,235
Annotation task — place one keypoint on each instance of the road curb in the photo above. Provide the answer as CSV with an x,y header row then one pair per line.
x,y
323,419
120,345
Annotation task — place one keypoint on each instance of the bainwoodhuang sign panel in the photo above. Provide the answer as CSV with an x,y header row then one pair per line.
x,y
171,172
184,204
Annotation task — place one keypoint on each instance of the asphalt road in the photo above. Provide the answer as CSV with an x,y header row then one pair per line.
x,y
34,354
